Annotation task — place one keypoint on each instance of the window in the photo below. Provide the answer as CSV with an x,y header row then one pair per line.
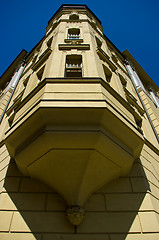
x,y
123,80
49,42
138,123
107,73
73,33
99,43
74,17
73,66
25,82
40,74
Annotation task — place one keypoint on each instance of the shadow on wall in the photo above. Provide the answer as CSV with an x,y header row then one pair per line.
x,y
40,210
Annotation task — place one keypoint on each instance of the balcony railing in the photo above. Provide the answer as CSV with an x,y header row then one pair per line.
x,y
73,36
73,65
73,70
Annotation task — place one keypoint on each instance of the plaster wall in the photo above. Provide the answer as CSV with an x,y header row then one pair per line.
x,y
124,209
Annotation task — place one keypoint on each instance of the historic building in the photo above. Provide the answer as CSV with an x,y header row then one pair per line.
x,y
79,132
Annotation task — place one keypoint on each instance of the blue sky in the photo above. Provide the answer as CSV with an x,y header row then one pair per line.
x,y
131,25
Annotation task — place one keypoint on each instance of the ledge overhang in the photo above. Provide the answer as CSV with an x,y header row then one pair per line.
x,y
74,46
74,146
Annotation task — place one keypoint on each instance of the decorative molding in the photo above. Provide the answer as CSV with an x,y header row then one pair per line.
x,y
74,46
106,85
75,215
73,41
42,58
16,103
133,101
104,56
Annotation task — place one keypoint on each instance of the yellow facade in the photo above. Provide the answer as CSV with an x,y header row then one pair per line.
x,y
79,138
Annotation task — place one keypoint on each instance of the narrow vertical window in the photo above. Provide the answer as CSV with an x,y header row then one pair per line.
x,y
123,81
99,43
107,74
49,42
40,74
25,82
73,66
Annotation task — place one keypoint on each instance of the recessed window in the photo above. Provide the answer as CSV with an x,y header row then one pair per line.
x,y
49,42
25,82
73,66
11,118
138,122
99,43
107,73
40,74
74,17
73,33
123,81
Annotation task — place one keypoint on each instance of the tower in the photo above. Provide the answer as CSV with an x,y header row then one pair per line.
x,y
79,134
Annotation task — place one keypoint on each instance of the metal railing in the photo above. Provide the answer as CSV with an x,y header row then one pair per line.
x,y
73,36
73,65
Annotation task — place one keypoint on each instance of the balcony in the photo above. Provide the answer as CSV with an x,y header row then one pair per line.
x,y
68,134
73,36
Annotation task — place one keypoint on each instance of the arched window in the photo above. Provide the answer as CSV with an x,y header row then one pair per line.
x,y
73,66
74,17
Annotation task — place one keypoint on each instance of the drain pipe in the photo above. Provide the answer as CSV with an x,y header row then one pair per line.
x,y
134,77
12,85
137,84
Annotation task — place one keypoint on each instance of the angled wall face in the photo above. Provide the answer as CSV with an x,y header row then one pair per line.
x,y
77,134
